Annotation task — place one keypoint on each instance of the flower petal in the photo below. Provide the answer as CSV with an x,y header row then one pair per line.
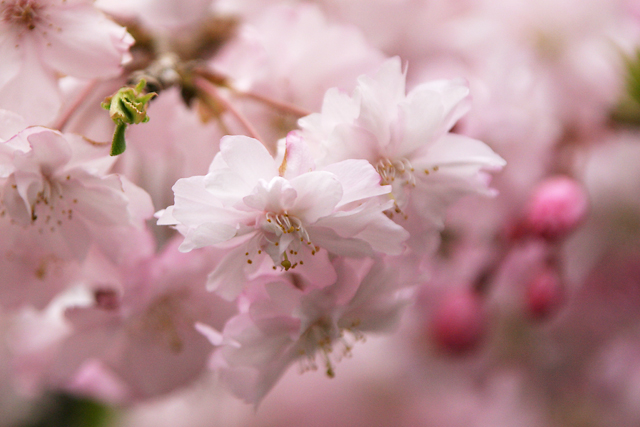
x,y
248,158
318,194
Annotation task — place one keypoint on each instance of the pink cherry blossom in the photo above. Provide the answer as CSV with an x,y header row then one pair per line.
x,y
406,138
55,188
323,55
317,237
132,332
40,39
282,325
244,200
57,202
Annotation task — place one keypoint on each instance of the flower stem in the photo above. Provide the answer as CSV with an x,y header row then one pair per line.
x,y
208,88
283,106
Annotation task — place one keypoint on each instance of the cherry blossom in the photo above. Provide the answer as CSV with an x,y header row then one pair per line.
x,y
56,187
329,163
57,201
41,39
282,325
323,55
245,200
406,138
140,326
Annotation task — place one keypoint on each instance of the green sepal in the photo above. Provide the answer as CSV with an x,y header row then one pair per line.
x,y
118,145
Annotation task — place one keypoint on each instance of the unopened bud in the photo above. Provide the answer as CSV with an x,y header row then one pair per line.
x,y
558,205
544,294
458,325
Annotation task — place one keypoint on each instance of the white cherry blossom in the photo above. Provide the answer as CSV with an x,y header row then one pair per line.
x,y
406,137
246,201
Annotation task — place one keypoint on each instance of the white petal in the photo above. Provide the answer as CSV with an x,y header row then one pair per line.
x,y
380,97
359,180
195,205
421,121
207,235
384,235
328,239
275,196
232,273
298,158
318,194
248,158
454,97
455,150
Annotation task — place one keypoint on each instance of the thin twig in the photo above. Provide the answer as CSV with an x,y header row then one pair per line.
x,y
221,80
283,106
213,92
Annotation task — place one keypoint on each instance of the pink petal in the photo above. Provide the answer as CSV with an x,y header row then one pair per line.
x,y
87,44
298,158
359,180
318,194
33,91
248,158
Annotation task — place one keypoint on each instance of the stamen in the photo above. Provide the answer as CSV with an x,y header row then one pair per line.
x,y
390,213
280,224
322,338
21,13
401,169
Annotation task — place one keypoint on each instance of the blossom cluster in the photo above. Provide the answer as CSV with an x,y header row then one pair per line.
x,y
307,237
227,189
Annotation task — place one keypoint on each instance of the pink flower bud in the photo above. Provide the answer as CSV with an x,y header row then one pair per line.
x,y
556,208
458,325
544,293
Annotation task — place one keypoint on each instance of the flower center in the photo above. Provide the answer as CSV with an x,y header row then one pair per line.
x,y
23,13
47,212
286,236
323,337
288,224
165,318
400,169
